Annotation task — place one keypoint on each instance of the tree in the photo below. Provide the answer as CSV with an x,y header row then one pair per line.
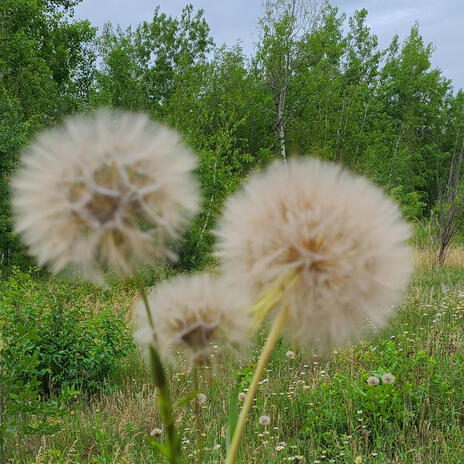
x,y
450,201
45,68
285,26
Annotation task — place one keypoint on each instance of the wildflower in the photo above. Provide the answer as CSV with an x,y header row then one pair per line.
x,y
201,398
241,396
337,234
388,378
156,432
279,447
373,381
290,355
358,459
264,421
104,192
192,313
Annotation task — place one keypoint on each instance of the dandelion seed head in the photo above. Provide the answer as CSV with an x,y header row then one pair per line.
x,y
388,378
345,240
373,381
264,421
104,192
193,314
290,355
201,398
156,432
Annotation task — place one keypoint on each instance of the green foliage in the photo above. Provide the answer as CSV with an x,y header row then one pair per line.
x,y
66,340
411,206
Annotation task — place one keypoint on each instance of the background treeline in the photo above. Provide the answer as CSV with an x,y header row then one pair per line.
x,y
316,83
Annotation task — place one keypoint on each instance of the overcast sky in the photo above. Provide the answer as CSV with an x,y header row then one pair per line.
x,y
441,22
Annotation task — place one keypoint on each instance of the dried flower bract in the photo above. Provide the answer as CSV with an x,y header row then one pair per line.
x,y
338,233
104,192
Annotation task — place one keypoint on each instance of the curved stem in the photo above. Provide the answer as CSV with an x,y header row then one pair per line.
x,y
279,324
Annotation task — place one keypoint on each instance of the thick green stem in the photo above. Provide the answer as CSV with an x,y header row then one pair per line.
x,y
279,324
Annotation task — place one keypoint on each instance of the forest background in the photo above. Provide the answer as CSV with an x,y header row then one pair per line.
x,y
316,84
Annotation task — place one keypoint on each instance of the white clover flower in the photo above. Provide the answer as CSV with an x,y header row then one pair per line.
x,y
264,421
194,314
340,235
388,378
373,381
104,192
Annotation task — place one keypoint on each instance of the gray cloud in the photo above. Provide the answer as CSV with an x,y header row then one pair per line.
x,y
440,22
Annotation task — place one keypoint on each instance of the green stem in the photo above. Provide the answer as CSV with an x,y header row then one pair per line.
x,y
279,324
165,404
160,381
197,412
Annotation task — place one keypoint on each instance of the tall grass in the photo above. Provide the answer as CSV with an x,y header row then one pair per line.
x,y
321,408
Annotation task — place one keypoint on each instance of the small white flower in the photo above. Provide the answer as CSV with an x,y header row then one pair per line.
x,y
373,381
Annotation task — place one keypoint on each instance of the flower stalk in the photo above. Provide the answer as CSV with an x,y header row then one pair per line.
x,y
161,383
277,327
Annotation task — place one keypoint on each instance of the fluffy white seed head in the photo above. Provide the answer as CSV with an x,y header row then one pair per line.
x,y
373,381
343,237
201,398
290,354
197,315
104,192
388,378
156,432
265,421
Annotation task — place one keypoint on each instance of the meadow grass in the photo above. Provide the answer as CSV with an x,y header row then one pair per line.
x,y
321,408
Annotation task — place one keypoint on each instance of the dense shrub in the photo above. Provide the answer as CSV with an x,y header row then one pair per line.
x,y
75,339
